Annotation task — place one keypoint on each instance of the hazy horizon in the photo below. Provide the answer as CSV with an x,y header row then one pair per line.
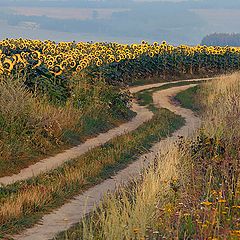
x,y
176,21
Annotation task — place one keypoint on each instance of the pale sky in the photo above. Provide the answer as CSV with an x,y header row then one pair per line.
x,y
171,22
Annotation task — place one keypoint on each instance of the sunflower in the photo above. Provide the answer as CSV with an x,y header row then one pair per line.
x,y
57,70
118,58
50,64
39,62
72,63
13,47
23,54
21,46
99,63
151,54
64,64
52,51
1,69
58,59
79,68
96,59
35,55
21,65
83,65
8,65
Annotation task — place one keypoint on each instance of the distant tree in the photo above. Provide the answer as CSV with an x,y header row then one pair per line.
x,y
95,14
222,39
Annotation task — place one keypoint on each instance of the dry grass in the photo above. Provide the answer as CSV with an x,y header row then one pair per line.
x,y
221,100
130,213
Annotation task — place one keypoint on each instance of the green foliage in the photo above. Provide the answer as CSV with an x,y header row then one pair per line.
x,y
189,99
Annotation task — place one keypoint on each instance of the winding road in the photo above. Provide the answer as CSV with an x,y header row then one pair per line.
x,y
50,163
73,211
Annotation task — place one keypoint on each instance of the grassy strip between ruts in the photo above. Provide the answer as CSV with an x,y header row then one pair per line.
x,y
144,97
188,99
24,203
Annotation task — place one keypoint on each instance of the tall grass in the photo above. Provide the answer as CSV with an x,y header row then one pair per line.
x,y
221,101
191,192
29,125
131,212
32,125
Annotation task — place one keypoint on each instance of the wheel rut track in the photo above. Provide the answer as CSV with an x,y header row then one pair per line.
x,y
73,211
50,163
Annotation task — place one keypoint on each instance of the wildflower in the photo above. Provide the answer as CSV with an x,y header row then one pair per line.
x,y
236,207
136,230
235,233
221,200
206,203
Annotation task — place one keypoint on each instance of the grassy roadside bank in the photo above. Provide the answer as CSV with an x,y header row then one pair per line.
x,y
34,126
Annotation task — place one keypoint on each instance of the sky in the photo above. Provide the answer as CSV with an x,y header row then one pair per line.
x,y
119,20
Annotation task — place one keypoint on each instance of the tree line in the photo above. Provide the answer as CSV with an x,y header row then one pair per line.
x,y
222,39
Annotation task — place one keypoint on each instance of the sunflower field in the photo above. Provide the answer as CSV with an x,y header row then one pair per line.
x,y
51,68
109,60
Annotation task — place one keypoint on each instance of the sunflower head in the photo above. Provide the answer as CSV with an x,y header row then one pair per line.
x,y
57,70
79,68
72,63
36,55
1,68
99,63
8,65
